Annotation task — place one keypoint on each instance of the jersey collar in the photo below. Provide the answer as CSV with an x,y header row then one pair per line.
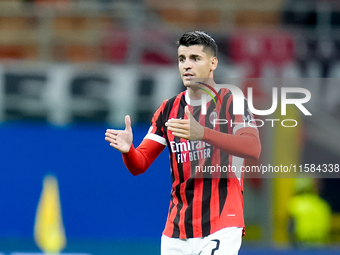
x,y
196,102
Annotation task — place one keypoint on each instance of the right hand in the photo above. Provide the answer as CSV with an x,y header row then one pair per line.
x,y
120,139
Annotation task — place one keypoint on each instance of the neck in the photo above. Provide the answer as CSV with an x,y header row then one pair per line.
x,y
195,93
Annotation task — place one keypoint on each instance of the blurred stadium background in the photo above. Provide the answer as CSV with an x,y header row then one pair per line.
x,y
69,69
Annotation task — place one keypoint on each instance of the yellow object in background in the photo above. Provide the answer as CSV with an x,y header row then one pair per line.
x,y
311,215
49,233
312,219
287,151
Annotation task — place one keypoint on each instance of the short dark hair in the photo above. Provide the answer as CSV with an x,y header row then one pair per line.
x,y
198,38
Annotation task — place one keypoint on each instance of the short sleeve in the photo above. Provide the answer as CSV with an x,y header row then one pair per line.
x,y
156,131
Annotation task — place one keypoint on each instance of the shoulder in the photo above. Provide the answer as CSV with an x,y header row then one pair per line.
x,y
169,103
225,92
225,95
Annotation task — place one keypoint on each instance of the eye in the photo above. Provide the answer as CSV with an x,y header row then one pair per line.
x,y
181,60
196,58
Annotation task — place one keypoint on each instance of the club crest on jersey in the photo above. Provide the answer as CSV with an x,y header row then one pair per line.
x,y
212,117
248,116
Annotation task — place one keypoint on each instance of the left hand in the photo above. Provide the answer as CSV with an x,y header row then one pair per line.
x,y
188,129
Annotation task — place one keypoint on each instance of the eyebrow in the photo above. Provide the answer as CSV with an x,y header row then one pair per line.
x,y
191,56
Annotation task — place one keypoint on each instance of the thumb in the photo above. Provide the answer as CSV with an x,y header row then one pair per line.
x,y
128,123
187,112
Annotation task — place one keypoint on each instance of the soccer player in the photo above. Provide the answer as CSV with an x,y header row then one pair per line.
x,y
206,209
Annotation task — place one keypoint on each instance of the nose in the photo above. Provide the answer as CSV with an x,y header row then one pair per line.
x,y
187,64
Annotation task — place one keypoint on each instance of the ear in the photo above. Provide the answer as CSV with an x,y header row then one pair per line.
x,y
213,63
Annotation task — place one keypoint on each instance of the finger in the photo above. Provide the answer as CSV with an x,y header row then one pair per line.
x,y
180,135
114,145
113,136
128,123
176,120
181,121
112,131
187,112
179,129
177,123
110,140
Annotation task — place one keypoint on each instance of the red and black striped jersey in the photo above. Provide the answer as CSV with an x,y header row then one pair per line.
x,y
201,203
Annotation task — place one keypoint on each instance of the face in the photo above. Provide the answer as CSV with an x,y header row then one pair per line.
x,y
193,62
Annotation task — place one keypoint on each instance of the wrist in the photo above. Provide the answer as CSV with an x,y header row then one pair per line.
x,y
131,150
205,131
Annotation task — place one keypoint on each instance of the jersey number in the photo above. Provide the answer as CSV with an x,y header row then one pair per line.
x,y
217,246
